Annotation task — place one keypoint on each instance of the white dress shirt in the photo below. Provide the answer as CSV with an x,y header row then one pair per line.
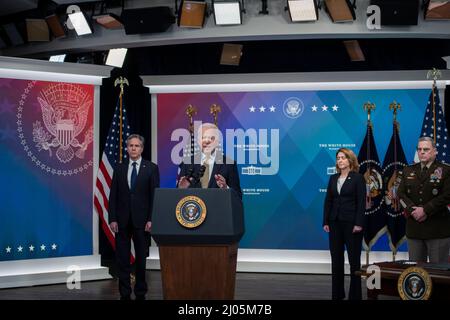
x,y
130,169
212,159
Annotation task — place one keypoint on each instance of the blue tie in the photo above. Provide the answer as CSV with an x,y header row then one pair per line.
x,y
133,176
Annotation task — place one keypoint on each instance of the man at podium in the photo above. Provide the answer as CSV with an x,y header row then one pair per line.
x,y
209,168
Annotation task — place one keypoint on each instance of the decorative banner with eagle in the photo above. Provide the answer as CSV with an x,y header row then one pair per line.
x,y
371,169
393,164
46,164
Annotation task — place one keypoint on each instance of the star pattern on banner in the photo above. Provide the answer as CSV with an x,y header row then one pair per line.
x,y
21,249
325,108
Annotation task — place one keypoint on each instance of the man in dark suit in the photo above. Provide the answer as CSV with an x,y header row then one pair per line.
x,y
424,192
209,168
130,215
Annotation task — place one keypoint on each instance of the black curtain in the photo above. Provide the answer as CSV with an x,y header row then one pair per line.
x,y
137,101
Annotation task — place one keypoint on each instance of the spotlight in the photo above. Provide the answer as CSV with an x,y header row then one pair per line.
x,y
80,23
354,50
302,10
57,58
116,57
340,10
37,30
55,26
231,54
227,12
192,14
108,21
437,10
13,34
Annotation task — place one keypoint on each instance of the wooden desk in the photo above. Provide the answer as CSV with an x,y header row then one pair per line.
x,y
391,271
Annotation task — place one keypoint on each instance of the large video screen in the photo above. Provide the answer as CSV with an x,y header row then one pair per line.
x,y
291,138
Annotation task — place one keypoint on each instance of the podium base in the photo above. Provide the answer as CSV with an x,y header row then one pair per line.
x,y
198,271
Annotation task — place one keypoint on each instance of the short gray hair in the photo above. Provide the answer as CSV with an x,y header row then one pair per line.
x,y
431,140
136,136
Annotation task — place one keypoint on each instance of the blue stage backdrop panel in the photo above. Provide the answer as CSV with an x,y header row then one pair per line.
x,y
283,198
46,160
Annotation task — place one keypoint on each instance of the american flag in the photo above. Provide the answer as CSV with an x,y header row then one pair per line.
x,y
436,128
110,157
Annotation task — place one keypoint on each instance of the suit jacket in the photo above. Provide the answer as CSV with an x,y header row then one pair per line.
x,y
137,204
430,191
225,167
349,205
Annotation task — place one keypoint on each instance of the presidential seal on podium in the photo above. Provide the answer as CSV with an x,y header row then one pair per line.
x,y
414,284
190,211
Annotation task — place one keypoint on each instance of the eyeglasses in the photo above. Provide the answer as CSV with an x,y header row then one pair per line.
x,y
423,149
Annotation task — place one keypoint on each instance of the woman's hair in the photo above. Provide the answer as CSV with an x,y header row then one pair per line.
x,y
350,155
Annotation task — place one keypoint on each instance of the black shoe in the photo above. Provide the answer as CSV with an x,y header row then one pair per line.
x,y
140,297
125,298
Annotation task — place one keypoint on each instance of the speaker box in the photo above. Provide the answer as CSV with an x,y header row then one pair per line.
x,y
398,12
147,20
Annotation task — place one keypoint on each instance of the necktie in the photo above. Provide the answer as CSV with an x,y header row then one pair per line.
x,y
133,176
423,172
205,178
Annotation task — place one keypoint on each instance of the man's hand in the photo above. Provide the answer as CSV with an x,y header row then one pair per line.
x,y
148,226
326,228
114,227
419,214
184,182
221,182
357,229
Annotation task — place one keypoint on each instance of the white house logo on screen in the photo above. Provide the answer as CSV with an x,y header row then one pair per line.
x,y
293,108
63,138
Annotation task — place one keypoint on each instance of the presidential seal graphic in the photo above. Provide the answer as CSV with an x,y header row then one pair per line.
x,y
54,125
414,284
190,212
293,108
374,182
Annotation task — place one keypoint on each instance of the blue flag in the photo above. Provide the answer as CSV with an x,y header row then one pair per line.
x,y
393,164
370,167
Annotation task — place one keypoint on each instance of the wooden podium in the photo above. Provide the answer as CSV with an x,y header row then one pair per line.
x,y
198,262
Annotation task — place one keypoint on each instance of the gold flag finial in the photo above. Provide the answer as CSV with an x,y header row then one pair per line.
x,y
121,81
395,106
190,112
368,107
434,74
214,110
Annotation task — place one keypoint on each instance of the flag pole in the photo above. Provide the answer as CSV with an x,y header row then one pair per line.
x,y
121,81
190,112
368,107
395,107
434,74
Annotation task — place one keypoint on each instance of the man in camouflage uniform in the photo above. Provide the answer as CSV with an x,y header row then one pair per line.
x,y
424,193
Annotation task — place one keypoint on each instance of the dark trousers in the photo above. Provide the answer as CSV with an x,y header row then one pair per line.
x,y
341,237
123,252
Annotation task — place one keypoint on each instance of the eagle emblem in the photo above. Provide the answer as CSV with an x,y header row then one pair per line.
x,y
65,108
